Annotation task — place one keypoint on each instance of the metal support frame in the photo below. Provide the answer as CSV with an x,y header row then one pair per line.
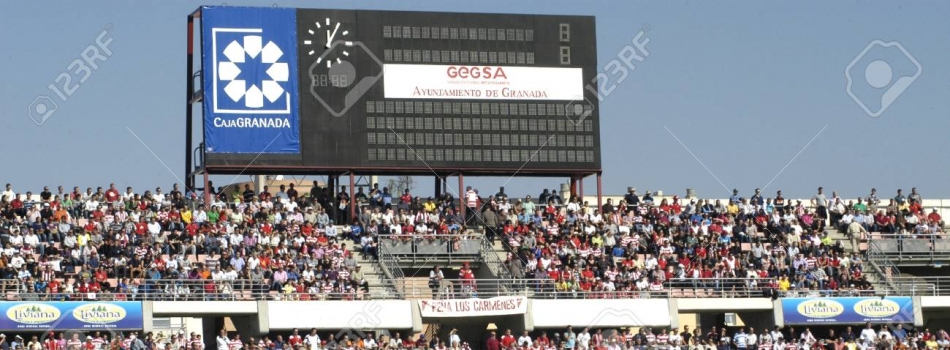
x,y
352,196
600,191
190,90
207,191
580,189
462,205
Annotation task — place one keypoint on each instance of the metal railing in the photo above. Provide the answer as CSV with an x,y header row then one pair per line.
x,y
424,250
390,267
883,267
234,290
921,286
910,248
491,259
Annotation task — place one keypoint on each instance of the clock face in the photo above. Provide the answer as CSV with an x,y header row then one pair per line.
x,y
325,35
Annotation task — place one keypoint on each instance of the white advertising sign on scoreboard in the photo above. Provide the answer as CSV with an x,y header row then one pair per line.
x,y
423,81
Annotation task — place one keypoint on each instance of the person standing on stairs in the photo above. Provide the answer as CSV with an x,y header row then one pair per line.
x,y
435,281
856,232
820,202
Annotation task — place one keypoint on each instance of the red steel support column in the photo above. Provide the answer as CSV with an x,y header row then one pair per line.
x,y
600,192
352,196
573,187
207,190
462,205
580,189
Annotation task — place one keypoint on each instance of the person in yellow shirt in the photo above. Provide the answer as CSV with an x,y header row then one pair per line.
x,y
289,290
826,240
429,205
186,216
562,286
597,241
732,208
783,284
83,238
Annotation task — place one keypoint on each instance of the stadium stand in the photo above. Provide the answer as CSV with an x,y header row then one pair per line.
x,y
109,245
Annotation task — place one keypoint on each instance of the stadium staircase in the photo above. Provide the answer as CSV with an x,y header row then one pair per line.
x,y
397,259
879,270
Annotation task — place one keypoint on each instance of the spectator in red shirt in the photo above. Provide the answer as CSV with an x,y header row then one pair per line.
x,y
492,343
507,340
112,194
295,339
934,217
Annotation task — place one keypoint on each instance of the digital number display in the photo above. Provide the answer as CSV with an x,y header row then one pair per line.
x,y
331,80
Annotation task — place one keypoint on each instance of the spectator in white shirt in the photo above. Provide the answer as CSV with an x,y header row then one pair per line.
x,y
8,195
525,339
17,261
312,340
154,228
33,241
868,335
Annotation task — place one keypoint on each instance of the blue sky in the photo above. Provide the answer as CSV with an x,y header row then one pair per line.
x,y
732,93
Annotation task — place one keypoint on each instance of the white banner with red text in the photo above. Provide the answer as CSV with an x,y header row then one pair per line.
x,y
425,81
498,306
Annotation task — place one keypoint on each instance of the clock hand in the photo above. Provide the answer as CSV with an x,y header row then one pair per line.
x,y
331,36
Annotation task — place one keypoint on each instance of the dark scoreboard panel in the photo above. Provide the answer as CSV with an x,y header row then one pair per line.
x,y
407,91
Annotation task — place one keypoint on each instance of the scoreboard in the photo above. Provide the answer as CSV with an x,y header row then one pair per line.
x,y
401,91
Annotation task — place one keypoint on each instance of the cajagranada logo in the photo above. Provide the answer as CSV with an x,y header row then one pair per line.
x,y
820,308
99,313
33,313
877,308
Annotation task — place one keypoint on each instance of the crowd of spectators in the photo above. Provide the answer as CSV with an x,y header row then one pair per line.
x,y
772,246
885,337
867,337
105,243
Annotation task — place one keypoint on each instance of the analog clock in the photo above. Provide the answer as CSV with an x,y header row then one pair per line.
x,y
323,36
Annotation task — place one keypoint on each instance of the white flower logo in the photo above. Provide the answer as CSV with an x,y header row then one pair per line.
x,y
276,72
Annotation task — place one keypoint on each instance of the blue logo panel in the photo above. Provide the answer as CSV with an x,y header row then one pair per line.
x,y
847,310
251,92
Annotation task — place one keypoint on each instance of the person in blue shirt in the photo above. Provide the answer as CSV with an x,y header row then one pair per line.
x,y
618,251
571,338
735,197
696,217
647,198
571,217
387,198
899,333
740,339
757,198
